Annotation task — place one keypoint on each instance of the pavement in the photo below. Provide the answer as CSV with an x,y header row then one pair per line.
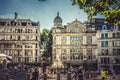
x,y
64,77
21,75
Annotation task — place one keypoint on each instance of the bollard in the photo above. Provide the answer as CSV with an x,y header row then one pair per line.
x,y
28,76
7,76
45,76
58,76
69,76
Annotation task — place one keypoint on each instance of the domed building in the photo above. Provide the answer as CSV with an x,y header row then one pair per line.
x,y
57,20
68,46
58,27
92,45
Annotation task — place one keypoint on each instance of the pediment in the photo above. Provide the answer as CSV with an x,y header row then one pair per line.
x,y
75,25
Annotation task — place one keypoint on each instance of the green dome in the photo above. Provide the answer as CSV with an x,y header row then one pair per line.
x,y
58,18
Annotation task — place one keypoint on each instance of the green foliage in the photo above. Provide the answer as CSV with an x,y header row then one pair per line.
x,y
46,40
109,8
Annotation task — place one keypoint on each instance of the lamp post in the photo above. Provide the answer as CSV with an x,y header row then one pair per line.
x,y
84,63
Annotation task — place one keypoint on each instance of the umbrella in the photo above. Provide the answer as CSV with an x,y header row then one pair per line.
x,y
3,55
9,58
6,56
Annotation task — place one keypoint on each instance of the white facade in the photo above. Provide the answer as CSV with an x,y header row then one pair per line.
x,y
20,38
72,44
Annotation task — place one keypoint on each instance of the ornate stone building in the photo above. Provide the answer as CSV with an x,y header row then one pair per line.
x,y
73,44
91,44
108,43
20,38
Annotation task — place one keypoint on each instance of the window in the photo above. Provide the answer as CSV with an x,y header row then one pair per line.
x,y
36,45
116,43
23,23
36,38
113,35
106,35
36,53
118,35
104,52
10,37
105,60
2,23
102,35
36,31
63,50
104,43
116,51
104,27
18,37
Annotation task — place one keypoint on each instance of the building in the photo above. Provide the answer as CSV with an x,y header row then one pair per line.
x,y
108,42
20,38
92,44
73,44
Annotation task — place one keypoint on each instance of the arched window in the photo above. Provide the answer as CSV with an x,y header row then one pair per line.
x,y
104,27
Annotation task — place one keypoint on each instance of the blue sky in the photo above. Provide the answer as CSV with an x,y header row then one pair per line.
x,y
44,12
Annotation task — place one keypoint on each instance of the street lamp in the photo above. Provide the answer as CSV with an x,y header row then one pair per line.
x,y
84,63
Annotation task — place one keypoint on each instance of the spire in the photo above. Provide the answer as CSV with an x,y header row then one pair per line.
x,y
16,15
57,13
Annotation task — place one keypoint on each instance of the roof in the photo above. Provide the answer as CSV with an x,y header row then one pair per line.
x,y
58,18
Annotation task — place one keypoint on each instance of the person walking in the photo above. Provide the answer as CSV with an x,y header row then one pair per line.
x,y
103,74
80,73
74,77
35,74
40,73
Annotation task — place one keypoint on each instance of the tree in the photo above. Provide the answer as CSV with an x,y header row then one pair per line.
x,y
46,41
109,8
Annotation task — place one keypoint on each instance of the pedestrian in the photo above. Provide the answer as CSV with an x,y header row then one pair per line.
x,y
74,77
103,74
35,74
113,74
80,73
40,73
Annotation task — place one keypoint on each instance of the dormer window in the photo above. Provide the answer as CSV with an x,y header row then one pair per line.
x,y
104,27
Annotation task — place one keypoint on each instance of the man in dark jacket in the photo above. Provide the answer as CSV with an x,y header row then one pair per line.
x,y
35,74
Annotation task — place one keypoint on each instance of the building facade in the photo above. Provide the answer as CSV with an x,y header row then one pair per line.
x,y
108,42
93,44
73,44
20,38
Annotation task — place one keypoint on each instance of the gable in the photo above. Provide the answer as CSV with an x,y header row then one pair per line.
x,y
75,26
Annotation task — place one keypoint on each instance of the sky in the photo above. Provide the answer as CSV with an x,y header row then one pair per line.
x,y
44,12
